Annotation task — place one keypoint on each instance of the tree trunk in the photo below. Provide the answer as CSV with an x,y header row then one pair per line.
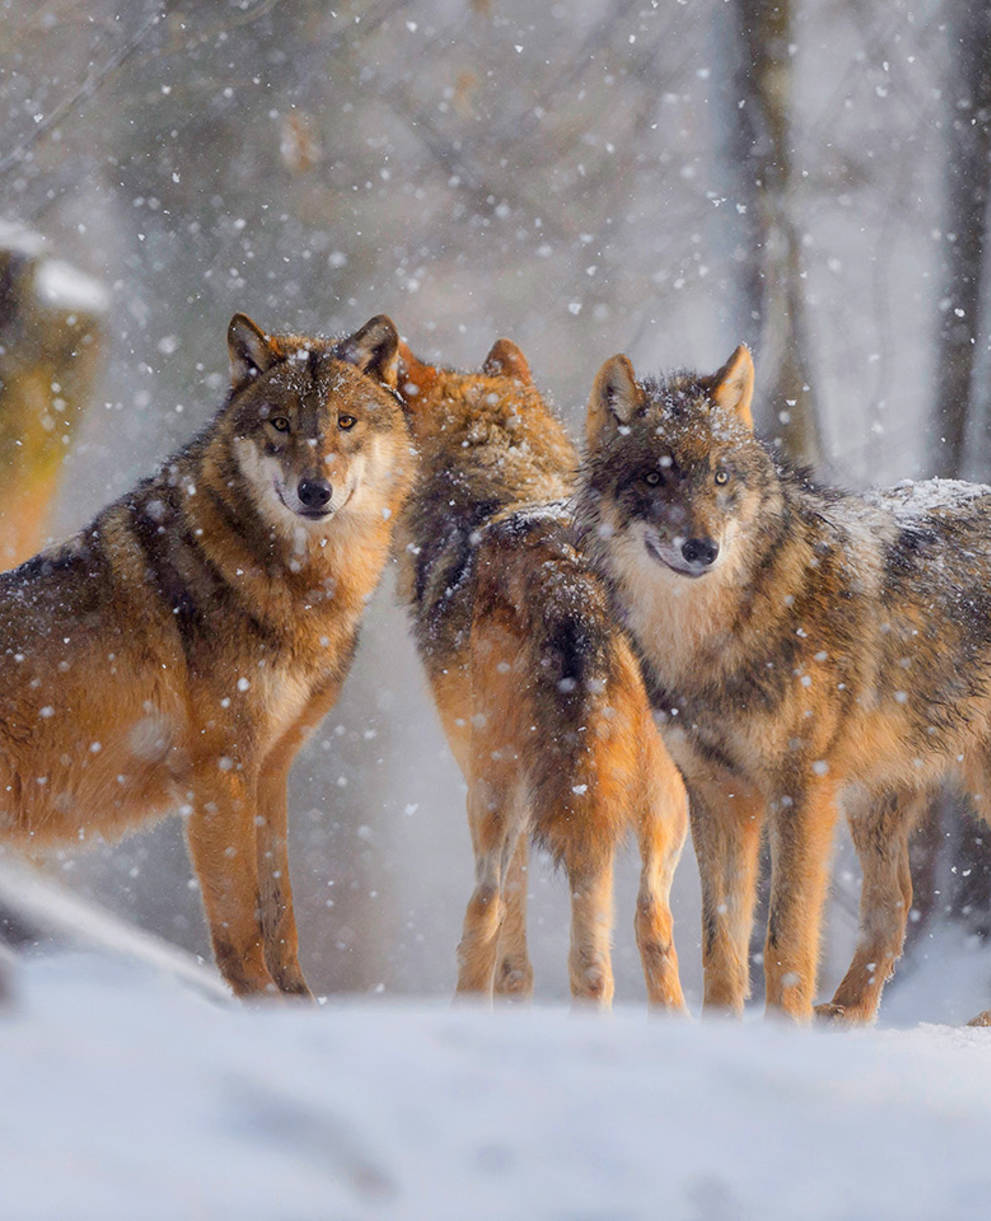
x,y
771,283
957,402
968,178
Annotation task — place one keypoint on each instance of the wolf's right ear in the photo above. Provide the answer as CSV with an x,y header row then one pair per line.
x,y
506,359
249,350
615,396
374,349
733,386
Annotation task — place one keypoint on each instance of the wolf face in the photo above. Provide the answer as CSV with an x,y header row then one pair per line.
x,y
675,475
309,430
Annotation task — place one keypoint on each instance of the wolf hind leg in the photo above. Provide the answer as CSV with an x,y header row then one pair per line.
x,y
881,830
661,830
495,825
590,956
514,972
982,784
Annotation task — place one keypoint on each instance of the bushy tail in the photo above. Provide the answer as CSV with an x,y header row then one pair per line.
x,y
568,649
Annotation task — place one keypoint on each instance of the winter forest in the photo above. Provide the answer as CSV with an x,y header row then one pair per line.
x,y
662,178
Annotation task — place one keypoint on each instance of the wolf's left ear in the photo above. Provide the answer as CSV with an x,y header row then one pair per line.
x,y
733,386
507,360
249,350
615,396
374,349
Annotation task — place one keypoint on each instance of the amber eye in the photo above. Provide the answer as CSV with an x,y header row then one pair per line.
x,y
722,476
280,423
653,478
346,422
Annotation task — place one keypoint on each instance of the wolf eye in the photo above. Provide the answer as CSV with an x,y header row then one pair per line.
x,y
346,422
722,476
653,478
280,423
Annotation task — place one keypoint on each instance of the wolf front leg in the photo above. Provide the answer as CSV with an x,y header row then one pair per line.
x,y
221,835
278,916
726,821
880,831
801,829
280,938
661,831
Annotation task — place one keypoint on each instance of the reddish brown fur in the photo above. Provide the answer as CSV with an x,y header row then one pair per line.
x,y
796,663
538,691
178,650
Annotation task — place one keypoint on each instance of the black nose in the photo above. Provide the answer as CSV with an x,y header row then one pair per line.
x,y
700,550
314,493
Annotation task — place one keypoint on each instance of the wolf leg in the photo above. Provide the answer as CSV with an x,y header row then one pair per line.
x,y
590,959
726,821
493,837
661,831
221,835
880,833
278,916
514,973
278,919
801,839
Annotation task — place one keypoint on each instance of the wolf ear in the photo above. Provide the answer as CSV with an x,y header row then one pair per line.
x,y
374,349
733,386
249,350
506,359
615,396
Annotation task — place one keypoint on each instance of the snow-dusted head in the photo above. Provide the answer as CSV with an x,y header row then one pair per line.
x,y
314,424
673,467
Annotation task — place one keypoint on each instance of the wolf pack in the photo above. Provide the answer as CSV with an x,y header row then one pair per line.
x,y
672,628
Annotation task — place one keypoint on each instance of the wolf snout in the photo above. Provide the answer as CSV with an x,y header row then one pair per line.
x,y
314,494
700,551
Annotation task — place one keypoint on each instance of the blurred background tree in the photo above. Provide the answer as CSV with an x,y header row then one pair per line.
x,y
51,318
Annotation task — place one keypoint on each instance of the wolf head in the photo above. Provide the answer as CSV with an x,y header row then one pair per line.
x,y
438,398
674,475
314,425
494,421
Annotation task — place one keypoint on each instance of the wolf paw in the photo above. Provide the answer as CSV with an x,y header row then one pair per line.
x,y
514,983
835,1015
982,1019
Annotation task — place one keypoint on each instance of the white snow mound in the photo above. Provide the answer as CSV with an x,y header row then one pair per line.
x,y
126,1096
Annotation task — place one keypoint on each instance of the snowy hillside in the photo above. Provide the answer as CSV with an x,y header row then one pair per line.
x,y
128,1096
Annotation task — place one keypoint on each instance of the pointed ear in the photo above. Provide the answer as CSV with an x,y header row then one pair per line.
x,y
416,379
249,350
406,358
506,359
733,386
615,396
374,349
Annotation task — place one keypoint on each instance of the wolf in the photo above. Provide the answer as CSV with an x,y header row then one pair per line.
x,y
537,689
803,647
175,653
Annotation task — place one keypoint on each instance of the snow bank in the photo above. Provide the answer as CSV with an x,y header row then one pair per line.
x,y
127,1096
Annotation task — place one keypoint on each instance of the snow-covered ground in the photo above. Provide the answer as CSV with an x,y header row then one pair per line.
x,y
128,1095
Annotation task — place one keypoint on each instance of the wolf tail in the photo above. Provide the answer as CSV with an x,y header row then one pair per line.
x,y
570,664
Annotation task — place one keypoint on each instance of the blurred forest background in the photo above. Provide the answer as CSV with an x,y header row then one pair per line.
x,y
660,178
